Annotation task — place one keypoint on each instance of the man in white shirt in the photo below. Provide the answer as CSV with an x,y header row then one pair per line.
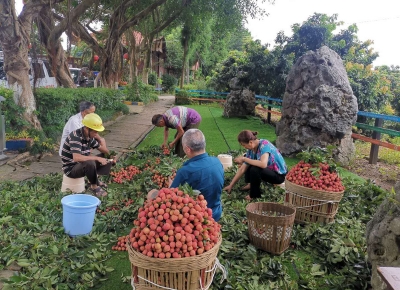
x,y
75,122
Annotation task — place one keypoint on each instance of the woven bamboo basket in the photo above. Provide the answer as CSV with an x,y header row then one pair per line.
x,y
192,273
270,225
312,205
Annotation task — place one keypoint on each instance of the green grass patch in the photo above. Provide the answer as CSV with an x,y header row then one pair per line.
x,y
220,132
385,154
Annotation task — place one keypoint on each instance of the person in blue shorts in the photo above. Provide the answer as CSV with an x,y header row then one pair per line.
x,y
262,162
202,172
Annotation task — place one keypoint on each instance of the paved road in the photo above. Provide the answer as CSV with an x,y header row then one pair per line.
x,y
126,132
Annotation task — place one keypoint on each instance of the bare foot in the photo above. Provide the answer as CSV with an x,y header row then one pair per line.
x,y
248,198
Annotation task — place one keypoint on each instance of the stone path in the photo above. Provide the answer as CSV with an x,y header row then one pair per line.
x,y
124,133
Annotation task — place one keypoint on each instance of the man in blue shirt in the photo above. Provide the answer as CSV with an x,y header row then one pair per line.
x,y
201,172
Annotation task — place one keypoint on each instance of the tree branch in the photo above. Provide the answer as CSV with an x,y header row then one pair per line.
x,y
166,23
80,30
134,20
74,14
91,29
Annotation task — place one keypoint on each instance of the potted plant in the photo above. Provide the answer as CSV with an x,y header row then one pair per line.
x,y
18,141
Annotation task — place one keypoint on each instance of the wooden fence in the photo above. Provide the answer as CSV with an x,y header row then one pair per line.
x,y
269,103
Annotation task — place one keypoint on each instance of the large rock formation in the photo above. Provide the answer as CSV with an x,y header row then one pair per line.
x,y
383,238
240,102
319,107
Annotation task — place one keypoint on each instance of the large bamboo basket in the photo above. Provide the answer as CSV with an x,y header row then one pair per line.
x,y
270,225
192,273
312,205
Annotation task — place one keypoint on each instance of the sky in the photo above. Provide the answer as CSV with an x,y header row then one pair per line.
x,y
377,20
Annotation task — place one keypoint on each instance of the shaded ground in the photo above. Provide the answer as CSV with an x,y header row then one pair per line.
x,y
385,175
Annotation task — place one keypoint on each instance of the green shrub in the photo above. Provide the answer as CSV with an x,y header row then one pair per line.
x,y
199,85
41,144
140,92
182,97
169,82
12,112
152,79
56,106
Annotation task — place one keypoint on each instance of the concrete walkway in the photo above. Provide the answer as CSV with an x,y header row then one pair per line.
x,y
124,133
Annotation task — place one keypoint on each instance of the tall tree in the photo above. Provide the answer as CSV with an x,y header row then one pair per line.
x,y
15,38
50,35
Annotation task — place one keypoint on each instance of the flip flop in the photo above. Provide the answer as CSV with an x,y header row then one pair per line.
x,y
102,185
98,191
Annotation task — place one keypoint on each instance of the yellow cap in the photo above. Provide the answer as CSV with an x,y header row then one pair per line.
x,y
94,122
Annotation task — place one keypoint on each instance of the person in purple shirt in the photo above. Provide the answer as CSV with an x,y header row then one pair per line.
x,y
179,118
262,162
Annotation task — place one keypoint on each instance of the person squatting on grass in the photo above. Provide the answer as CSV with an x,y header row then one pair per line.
x,y
75,121
179,118
76,159
201,172
262,162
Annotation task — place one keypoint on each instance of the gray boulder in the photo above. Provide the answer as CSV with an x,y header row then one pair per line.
x,y
240,101
319,107
383,238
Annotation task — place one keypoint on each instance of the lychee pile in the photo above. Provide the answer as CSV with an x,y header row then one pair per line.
x,y
174,225
319,177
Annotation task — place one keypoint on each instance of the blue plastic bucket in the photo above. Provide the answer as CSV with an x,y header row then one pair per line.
x,y
78,213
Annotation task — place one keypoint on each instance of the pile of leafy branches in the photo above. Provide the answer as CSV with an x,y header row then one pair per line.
x,y
321,256
331,256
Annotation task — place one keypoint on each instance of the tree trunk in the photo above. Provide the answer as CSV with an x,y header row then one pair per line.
x,y
147,62
50,38
111,64
14,38
185,52
130,38
187,73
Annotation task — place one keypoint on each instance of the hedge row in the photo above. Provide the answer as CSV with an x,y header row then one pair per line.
x,y
55,106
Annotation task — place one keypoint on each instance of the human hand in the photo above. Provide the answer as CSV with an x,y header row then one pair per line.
x,y
228,189
152,194
171,145
170,180
239,160
102,161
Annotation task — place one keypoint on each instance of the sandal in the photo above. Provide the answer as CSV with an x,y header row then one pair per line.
x,y
98,191
245,188
102,185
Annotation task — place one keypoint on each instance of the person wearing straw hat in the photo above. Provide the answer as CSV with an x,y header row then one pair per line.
x,y
76,159
179,118
262,162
